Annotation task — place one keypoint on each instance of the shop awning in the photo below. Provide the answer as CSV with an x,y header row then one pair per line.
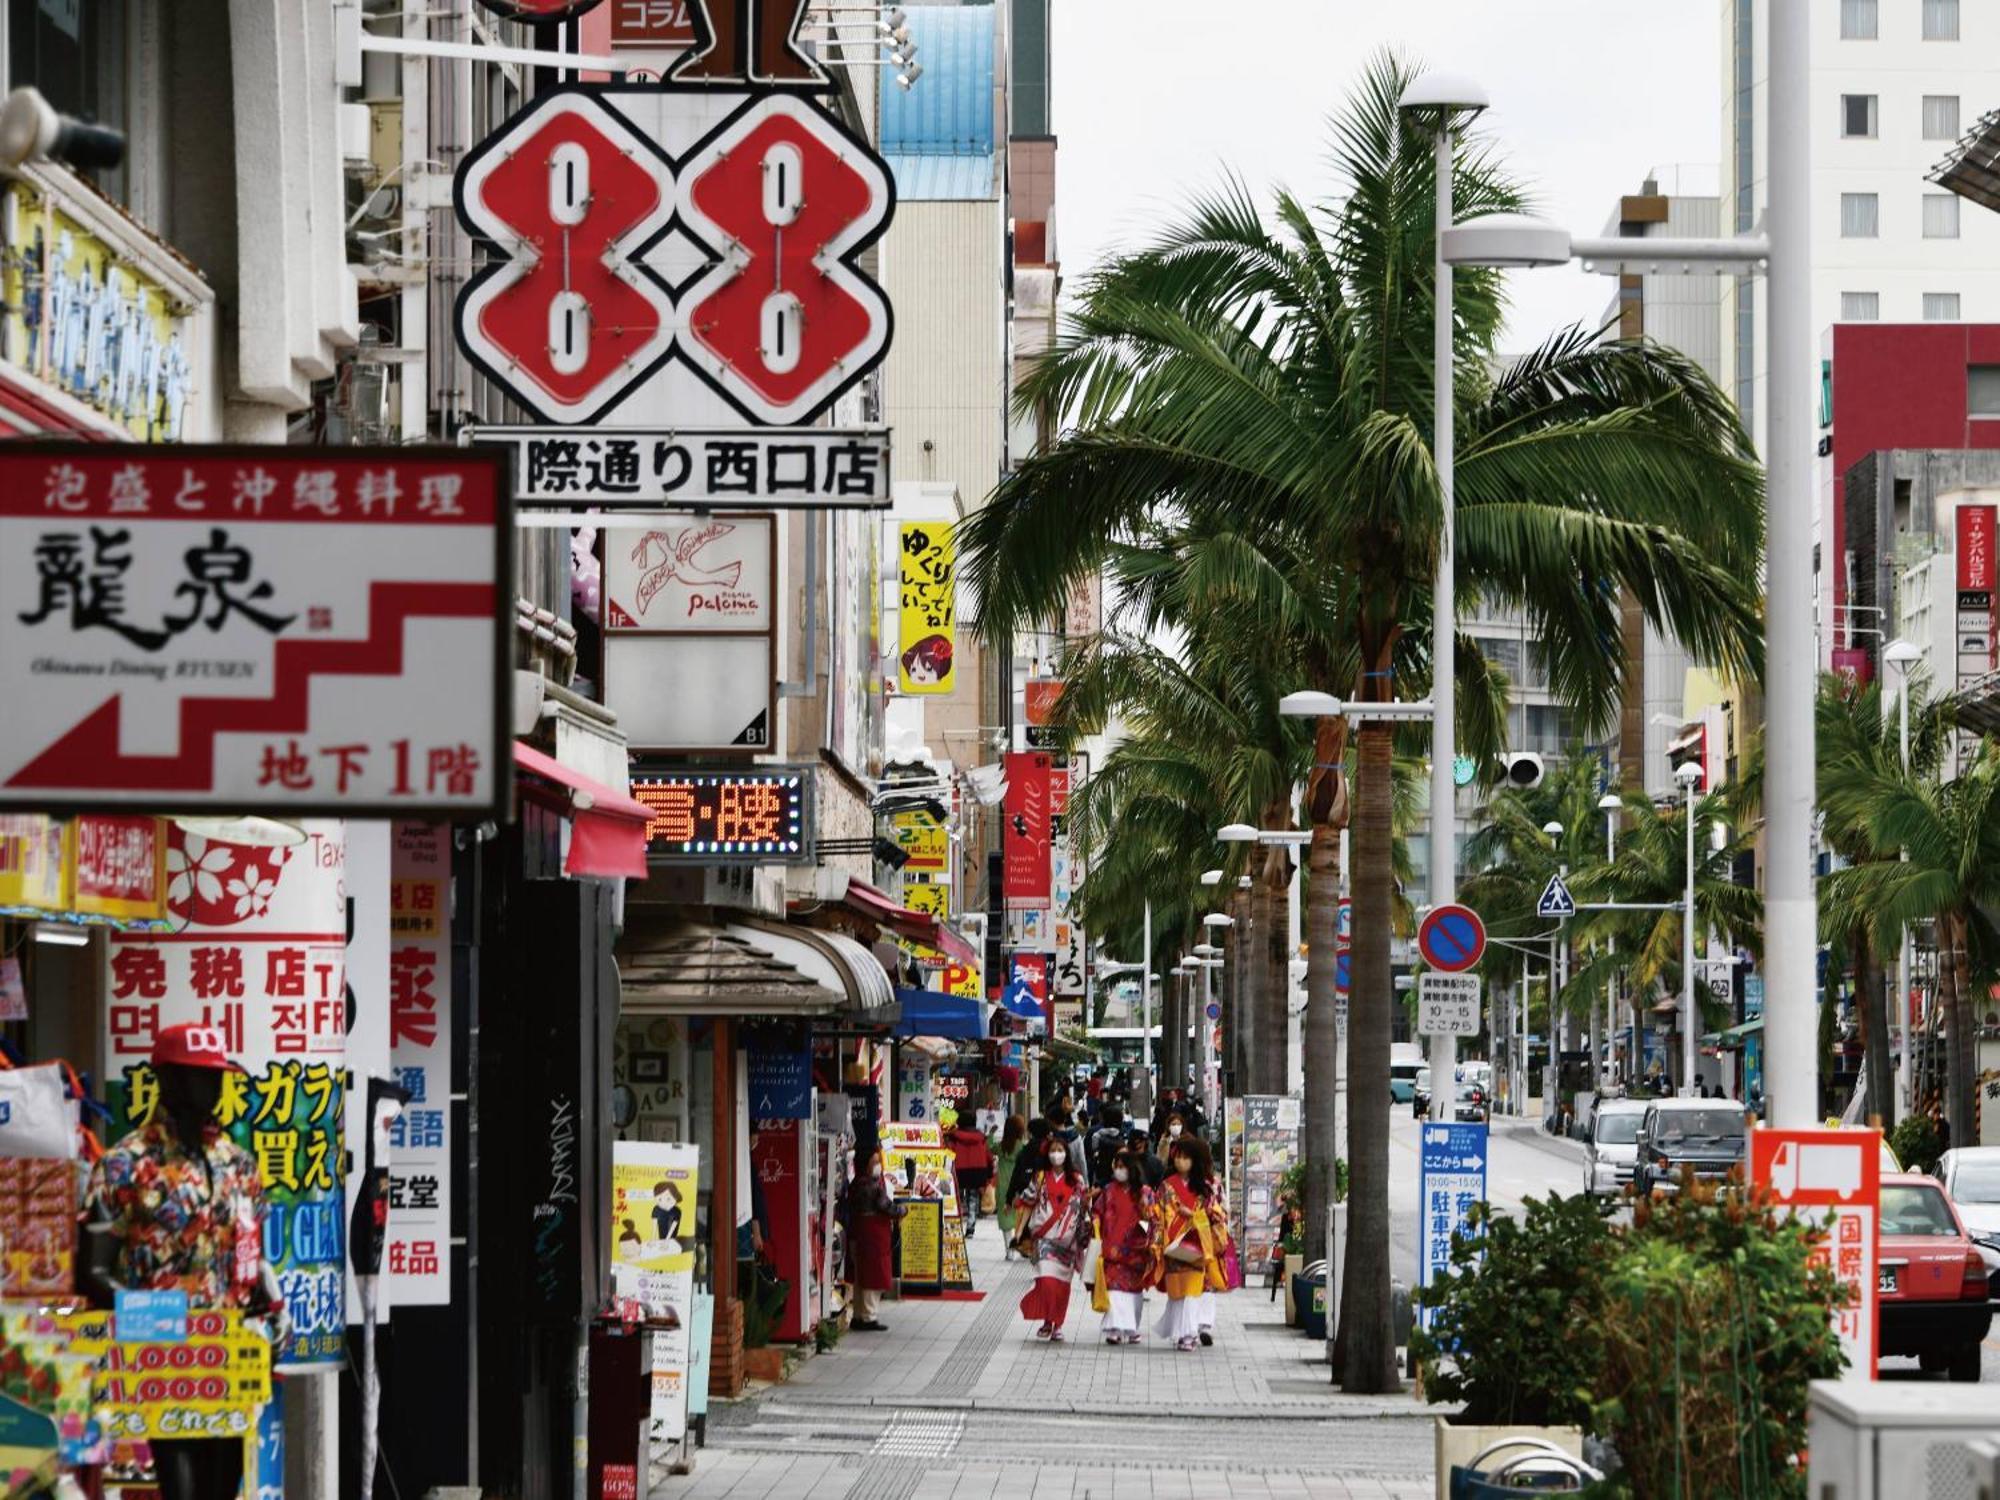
x,y
831,960
1065,1049
933,1013
1735,1034
607,828
913,926
682,968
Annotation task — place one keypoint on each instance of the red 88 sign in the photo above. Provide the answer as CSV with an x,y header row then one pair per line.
x,y
571,197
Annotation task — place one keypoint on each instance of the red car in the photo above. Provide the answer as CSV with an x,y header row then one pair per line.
x,y
1932,1286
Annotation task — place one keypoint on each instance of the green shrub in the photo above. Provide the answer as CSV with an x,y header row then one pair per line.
x,y
1917,1142
1503,1336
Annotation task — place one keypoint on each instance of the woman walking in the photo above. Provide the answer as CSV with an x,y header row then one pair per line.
x,y
1193,1235
1123,1211
871,1265
1013,1139
1055,1230
971,1164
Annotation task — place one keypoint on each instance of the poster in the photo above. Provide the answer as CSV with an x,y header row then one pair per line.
x,y
117,866
1024,828
1270,1139
209,1385
1452,1178
31,862
417,1258
259,953
653,1186
928,613
921,1245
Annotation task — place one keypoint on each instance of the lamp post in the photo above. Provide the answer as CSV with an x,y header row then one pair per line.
x,y
1609,804
1688,774
1146,994
1903,655
1558,957
1440,102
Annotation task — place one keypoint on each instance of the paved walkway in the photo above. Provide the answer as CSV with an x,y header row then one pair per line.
x,y
957,1399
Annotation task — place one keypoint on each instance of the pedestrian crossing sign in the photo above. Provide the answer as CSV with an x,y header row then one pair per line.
x,y
1556,900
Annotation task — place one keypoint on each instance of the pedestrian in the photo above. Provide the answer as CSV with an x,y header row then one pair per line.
x,y
971,1164
1056,1231
1105,1142
1139,1101
871,1215
1192,1237
1171,1127
1123,1217
1030,1159
1013,1143
1154,1169
1062,1127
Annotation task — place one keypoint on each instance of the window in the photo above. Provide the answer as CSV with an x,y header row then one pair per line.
x,y
1860,307
1857,114
1940,307
1860,216
1940,117
1940,20
1982,391
1857,20
1940,216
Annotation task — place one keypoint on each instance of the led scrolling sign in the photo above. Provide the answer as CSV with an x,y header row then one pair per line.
x,y
716,817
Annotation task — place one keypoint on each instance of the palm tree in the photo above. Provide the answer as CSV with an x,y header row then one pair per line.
x,y
1951,830
1272,381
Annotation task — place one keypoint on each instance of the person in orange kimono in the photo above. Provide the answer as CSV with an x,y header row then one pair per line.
x,y
1193,1234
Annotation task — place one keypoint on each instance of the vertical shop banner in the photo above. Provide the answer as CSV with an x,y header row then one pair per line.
x,y
1270,1147
258,953
1066,872
653,1187
925,642
365,892
1024,828
1452,1177
1822,1171
913,1086
417,1261
1974,541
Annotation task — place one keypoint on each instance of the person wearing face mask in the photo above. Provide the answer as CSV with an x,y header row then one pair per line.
x,y
1123,1216
872,1212
178,1206
1193,1235
1055,1219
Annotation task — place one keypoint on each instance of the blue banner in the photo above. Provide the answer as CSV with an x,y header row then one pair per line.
x,y
1452,1179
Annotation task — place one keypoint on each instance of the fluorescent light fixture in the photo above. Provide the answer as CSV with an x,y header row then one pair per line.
x,y
62,934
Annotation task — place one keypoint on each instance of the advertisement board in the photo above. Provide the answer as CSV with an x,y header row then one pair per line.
x,y
653,1190
927,610
1024,828
255,628
792,468
417,1257
1819,1172
716,816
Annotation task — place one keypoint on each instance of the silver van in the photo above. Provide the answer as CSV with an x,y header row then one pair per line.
x,y
1613,1148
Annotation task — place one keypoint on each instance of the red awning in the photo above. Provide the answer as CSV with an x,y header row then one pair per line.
x,y
607,828
918,927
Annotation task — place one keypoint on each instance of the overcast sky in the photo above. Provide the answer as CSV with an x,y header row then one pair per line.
x,y
1151,96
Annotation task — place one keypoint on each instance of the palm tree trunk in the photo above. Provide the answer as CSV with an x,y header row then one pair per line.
x,y
1272,962
1961,1040
1322,1033
1241,1037
1881,1075
1367,1356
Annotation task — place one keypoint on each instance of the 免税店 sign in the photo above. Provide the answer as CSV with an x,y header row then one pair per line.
x,y
305,630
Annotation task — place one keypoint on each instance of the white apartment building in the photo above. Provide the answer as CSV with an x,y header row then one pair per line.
x,y
1894,83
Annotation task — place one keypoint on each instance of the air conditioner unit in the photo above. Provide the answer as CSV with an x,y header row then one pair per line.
x,y
1875,1441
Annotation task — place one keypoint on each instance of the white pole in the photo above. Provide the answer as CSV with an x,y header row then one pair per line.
x,y
1611,949
1791,1000
1146,995
1207,1028
1444,623
1903,946
1688,1022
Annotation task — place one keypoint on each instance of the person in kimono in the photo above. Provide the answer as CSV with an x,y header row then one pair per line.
x,y
1054,1217
1123,1215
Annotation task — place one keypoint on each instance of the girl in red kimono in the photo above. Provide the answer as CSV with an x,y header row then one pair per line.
x,y
1125,1263
1193,1232
871,1216
1055,1219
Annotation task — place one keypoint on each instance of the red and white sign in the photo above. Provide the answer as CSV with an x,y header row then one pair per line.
x,y
1817,1170
1024,841
1039,698
246,628
587,299
691,575
118,865
1975,546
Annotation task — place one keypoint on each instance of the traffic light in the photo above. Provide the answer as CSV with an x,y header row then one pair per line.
x,y
1520,769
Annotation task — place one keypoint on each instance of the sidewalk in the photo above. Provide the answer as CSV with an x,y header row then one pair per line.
x,y
958,1399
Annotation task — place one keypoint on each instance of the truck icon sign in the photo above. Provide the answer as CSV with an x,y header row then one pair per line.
x,y
1816,1168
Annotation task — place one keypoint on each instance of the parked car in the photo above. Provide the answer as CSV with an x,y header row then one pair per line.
x,y
1708,1135
1971,1178
1613,1147
1420,1093
1403,1079
1469,1102
1931,1288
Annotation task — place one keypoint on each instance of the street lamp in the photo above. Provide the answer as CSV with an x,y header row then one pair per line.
x,y
1236,833
1792,660
1219,919
1903,655
1688,774
1440,103
1553,829
1610,805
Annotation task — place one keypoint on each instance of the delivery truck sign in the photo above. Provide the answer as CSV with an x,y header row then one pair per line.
x,y
1815,1172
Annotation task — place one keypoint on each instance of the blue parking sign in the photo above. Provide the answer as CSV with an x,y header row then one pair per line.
x,y
1452,1178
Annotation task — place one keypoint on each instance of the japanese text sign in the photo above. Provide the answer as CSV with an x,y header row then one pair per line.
x,y
1817,1171
1447,1004
726,817
417,1255
928,613
1974,526
311,630
1452,1178
818,468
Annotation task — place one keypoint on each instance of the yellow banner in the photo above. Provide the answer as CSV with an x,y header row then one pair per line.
x,y
925,840
929,593
31,861
932,898
209,1385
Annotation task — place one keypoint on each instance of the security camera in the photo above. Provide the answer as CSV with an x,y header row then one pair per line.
x,y
1688,773
1521,769
31,129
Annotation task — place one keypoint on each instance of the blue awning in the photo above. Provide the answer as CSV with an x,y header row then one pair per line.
x,y
933,1013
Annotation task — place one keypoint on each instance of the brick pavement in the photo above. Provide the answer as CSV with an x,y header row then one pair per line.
x,y
958,1400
